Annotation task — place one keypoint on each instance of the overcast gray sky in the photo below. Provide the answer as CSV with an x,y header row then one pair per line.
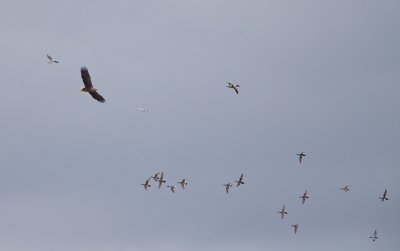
x,y
316,76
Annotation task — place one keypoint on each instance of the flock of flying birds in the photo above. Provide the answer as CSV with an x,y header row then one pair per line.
x,y
159,178
305,196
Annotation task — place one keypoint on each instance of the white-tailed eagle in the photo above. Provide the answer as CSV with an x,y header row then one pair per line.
x,y
89,86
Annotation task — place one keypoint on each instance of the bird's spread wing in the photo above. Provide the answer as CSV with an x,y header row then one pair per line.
x,y
97,96
49,57
384,194
235,88
86,79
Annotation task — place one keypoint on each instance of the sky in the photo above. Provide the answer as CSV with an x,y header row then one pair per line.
x,y
315,76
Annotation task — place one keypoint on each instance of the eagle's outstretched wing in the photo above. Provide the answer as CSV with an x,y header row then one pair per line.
x,y
86,78
97,96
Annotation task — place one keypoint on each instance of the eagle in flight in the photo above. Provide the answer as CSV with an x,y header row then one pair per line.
x,y
89,86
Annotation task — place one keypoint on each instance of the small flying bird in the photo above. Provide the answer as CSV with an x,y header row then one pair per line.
x,y
161,180
301,155
233,86
375,236
146,184
51,60
384,197
183,183
295,226
240,181
282,212
227,187
304,197
155,177
172,188
89,86
345,188
142,109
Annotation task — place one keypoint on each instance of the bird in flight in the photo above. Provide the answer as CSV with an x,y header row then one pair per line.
x,y
301,155
375,236
295,227
155,177
240,181
227,187
304,197
172,188
89,86
142,109
146,184
384,197
183,183
282,212
233,86
51,60
161,180
345,188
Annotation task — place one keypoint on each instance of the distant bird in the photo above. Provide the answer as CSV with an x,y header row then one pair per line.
x,y
233,86
161,180
384,197
183,183
227,187
155,177
172,188
304,197
295,226
89,87
345,188
142,109
375,236
51,60
240,181
282,212
301,155
146,184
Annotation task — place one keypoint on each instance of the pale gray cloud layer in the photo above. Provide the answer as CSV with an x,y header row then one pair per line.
x,y
316,76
